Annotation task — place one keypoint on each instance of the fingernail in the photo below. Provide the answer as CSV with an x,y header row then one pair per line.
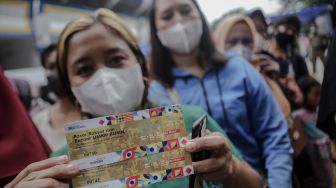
x,y
62,158
71,167
190,146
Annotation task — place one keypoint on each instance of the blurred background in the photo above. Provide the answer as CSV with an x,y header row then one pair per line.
x,y
26,27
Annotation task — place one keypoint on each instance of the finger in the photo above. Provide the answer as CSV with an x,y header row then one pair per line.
x,y
39,166
227,167
189,136
215,141
215,176
43,183
210,165
60,172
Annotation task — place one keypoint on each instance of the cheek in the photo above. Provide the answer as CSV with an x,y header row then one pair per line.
x,y
162,25
74,80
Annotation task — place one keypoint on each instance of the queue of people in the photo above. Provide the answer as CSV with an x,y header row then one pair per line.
x,y
261,103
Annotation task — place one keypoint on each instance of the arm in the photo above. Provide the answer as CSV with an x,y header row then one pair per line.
x,y
223,166
270,129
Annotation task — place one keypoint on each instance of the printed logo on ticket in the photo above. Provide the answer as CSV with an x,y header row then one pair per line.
x,y
130,149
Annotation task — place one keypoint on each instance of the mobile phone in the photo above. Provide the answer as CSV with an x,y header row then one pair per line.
x,y
199,129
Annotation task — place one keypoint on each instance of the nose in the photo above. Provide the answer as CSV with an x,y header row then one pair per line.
x,y
178,17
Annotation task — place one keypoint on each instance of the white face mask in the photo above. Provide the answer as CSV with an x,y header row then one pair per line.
x,y
242,51
182,37
111,91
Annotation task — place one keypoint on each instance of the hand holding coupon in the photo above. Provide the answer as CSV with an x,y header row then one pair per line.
x,y
142,148
131,149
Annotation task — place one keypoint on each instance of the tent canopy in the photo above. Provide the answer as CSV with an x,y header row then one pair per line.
x,y
306,15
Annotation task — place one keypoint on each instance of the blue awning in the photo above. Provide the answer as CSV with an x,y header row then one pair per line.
x,y
306,15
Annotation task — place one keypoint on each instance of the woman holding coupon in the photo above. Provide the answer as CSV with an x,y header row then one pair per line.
x,y
103,69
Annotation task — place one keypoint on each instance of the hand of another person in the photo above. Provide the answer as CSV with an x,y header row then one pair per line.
x,y
221,165
265,64
53,172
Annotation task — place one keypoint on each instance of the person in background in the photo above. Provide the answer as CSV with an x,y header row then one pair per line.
x,y
48,61
103,69
261,36
327,109
188,69
280,50
311,97
287,31
313,167
50,120
237,34
20,142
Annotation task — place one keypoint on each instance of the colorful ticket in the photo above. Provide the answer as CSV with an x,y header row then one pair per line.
x,y
149,126
130,148
162,162
131,153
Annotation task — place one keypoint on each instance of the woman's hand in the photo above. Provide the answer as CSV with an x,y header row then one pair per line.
x,y
222,166
53,172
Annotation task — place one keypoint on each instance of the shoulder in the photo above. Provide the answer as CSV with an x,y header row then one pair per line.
x,y
238,71
235,66
158,94
156,87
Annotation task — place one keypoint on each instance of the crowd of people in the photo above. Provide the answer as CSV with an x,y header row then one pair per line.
x,y
261,102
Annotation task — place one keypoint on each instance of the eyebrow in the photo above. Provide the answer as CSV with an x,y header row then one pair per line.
x,y
82,60
114,50
79,61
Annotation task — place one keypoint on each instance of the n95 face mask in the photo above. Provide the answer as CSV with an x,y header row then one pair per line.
x,y
182,37
111,91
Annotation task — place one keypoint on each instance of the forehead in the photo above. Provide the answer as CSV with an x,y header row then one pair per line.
x,y
162,5
94,34
240,28
94,40
97,37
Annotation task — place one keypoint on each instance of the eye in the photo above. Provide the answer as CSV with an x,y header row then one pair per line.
x,y
116,61
233,41
85,70
247,41
185,10
167,15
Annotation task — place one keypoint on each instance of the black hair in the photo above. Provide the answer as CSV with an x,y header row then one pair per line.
x,y
46,52
289,20
305,84
162,62
258,14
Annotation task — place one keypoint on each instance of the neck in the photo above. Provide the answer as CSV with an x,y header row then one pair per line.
x,y
276,50
186,61
65,105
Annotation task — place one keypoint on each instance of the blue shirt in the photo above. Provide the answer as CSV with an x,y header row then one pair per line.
x,y
238,98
